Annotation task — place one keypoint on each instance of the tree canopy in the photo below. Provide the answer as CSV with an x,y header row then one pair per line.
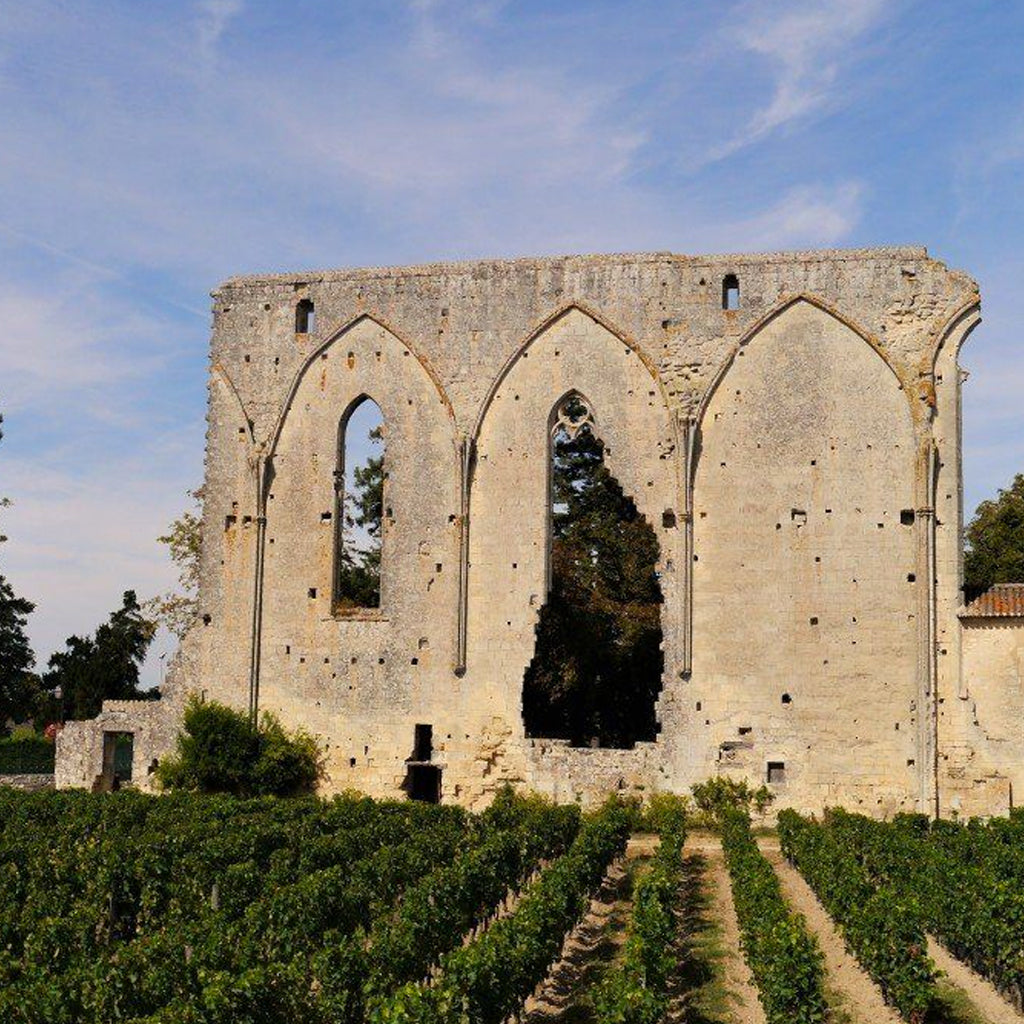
x,y
995,539
596,671
104,666
19,686
358,571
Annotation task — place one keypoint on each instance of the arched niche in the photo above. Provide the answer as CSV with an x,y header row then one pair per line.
x,y
805,589
364,361
509,511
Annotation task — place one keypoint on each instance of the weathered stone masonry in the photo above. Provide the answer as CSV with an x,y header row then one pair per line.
x,y
797,456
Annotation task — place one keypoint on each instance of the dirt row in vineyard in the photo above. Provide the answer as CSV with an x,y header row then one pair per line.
x,y
713,984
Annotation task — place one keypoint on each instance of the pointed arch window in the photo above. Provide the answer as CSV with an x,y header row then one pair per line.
x,y
596,671
360,484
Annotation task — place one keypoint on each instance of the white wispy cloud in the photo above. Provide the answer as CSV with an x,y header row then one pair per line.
x,y
212,20
807,44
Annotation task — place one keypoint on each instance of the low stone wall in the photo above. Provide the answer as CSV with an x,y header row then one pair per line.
x,y
29,783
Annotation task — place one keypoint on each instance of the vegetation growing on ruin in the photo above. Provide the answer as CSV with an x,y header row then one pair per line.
x,y
177,610
220,751
596,672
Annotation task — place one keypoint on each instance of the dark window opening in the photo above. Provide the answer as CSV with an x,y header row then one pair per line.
x,y
786,699
360,479
118,754
305,317
597,666
776,771
907,517
730,292
423,782
423,744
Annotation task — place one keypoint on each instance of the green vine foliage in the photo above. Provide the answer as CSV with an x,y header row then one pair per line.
x,y
636,991
965,883
782,954
881,925
214,909
489,979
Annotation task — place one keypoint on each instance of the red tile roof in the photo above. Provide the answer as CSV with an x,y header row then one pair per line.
x,y
1002,599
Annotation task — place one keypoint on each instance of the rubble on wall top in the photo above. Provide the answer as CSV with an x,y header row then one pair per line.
x,y
1002,600
882,253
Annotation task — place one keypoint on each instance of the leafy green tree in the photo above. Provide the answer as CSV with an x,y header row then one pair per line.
x,y
359,571
220,751
102,667
177,610
19,686
596,672
995,539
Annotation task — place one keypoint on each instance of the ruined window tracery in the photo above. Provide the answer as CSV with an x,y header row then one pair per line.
x,y
360,479
597,665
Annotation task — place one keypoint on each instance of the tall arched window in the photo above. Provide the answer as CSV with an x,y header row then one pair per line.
x,y
360,481
596,671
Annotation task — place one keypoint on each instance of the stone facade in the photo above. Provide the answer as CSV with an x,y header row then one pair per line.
x,y
797,456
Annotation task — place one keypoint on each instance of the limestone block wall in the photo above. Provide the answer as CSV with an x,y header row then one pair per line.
x,y
28,783
797,457
983,763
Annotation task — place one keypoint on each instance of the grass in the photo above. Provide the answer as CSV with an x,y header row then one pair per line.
x,y
952,1006
700,984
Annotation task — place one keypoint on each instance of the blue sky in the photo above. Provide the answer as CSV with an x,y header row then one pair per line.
x,y
149,150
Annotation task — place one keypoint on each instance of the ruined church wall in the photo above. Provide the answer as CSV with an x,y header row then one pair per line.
x,y
806,574
841,346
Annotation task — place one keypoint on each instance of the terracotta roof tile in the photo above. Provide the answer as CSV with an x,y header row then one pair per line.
x,y
1002,599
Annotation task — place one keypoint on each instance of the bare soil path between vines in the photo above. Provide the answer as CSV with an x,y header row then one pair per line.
x,y
591,946
859,997
982,993
742,1003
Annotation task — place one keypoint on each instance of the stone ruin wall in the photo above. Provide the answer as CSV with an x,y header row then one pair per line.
x,y
798,459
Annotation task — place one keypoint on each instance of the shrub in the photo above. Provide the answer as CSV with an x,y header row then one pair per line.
x,y
26,754
220,751
666,813
720,795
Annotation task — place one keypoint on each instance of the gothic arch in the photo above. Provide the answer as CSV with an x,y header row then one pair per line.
x,y
331,340
220,375
572,351
539,330
806,562
781,308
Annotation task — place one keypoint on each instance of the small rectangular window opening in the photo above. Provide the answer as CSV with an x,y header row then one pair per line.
x,y
305,317
776,771
730,292
423,745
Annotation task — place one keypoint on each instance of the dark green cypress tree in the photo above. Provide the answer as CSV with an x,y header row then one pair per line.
x,y
596,671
